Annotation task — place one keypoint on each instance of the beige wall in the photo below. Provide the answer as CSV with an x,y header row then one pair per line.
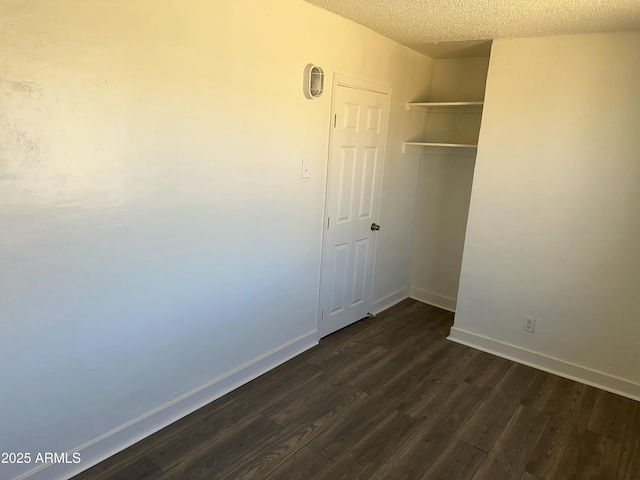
x,y
444,183
459,79
156,233
554,224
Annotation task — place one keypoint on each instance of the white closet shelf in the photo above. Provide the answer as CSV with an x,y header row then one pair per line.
x,y
443,104
442,107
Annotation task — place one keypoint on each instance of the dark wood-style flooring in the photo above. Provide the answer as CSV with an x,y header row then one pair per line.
x,y
390,398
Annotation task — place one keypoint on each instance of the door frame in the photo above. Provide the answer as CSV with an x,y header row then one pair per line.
x,y
346,81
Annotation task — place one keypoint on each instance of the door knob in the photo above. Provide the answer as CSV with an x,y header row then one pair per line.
x,y
374,227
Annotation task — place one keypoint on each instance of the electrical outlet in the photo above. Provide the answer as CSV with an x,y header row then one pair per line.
x,y
529,324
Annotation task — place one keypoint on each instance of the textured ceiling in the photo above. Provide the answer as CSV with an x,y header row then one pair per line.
x,y
416,22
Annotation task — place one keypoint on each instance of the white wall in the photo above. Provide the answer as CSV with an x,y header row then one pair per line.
x,y
156,233
444,183
554,224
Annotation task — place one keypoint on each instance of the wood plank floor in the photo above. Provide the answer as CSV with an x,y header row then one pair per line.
x,y
390,398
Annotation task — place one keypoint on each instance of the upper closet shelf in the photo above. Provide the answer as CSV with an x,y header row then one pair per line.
x,y
453,105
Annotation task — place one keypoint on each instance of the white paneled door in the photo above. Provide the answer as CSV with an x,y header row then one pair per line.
x,y
358,137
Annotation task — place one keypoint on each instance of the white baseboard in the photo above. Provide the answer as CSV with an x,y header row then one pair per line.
x,y
434,299
562,368
389,301
109,444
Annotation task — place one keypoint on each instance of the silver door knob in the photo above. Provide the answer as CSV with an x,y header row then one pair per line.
x,y
374,227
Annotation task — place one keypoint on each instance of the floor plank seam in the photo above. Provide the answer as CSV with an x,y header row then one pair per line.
x,y
473,446
151,460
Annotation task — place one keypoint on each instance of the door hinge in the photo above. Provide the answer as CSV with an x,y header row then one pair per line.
x,y
328,219
335,120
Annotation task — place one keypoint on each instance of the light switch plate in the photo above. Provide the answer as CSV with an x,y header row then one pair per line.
x,y
305,169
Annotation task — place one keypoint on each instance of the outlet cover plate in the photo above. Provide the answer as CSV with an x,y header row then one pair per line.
x,y
529,325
